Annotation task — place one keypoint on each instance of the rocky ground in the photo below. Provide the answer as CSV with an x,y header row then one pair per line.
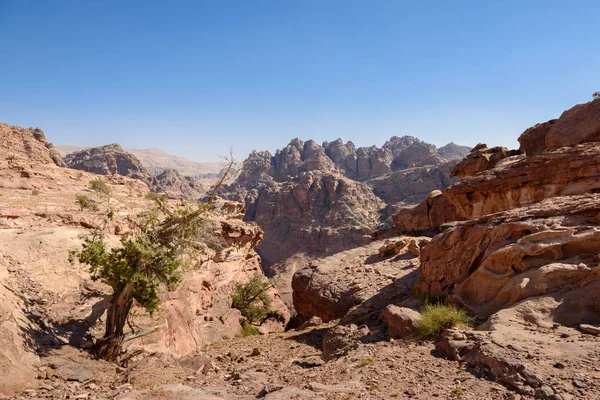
x,y
275,366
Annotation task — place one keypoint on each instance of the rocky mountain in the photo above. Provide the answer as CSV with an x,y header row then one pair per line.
x,y
113,159
27,144
50,309
156,161
320,199
108,160
515,242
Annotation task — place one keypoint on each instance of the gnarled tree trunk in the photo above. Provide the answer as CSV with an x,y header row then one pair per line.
x,y
109,347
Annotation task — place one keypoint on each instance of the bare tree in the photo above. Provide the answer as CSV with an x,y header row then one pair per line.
x,y
229,170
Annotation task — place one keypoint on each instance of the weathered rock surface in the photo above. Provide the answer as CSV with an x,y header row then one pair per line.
x,y
27,144
177,186
480,159
578,125
312,199
330,287
521,181
496,261
427,216
46,302
402,322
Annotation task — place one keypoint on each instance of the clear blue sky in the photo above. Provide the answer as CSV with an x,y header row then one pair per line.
x,y
193,77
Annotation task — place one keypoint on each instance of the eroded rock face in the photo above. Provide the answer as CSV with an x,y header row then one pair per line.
x,y
480,159
496,261
307,199
521,181
580,124
177,186
27,144
361,277
427,216
108,160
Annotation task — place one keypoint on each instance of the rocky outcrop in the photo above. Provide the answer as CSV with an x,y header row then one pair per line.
x,y
580,124
47,302
496,261
177,186
481,159
320,200
428,216
27,144
521,181
362,277
533,140
108,160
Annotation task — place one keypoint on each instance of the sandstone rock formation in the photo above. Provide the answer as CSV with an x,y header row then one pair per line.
x,y
580,124
520,181
108,160
177,186
21,144
428,216
323,199
45,301
480,159
496,261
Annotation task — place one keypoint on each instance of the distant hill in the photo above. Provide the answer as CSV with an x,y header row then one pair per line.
x,y
156,161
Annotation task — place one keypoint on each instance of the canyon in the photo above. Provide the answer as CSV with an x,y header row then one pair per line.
x,y
359,240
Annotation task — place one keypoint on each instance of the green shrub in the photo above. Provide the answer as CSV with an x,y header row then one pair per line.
x,y
100,187
85,203
254,303
437,317
248,330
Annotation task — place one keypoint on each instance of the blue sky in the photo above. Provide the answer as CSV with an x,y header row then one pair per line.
x,y
194,77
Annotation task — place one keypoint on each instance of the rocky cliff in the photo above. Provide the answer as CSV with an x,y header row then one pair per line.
x,y
48,303
28,145
108,160
320,199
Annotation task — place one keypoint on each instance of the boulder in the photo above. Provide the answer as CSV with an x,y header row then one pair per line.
x,y
521,181
533,140
428,216
480,159
402,322
493,262
580,124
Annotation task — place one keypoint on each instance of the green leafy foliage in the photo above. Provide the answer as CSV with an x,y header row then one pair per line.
x,y
253,301
437,317
100,187
248,330
85,203
138,261
151,256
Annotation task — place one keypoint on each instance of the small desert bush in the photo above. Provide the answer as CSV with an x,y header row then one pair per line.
x,y
253,301
437,317
100,187
85,203
364,362
248,329
35,192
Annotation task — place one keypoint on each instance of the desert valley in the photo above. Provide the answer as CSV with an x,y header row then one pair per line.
x,y
321,271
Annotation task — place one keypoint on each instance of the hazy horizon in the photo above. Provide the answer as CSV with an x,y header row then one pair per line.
x,y
195,77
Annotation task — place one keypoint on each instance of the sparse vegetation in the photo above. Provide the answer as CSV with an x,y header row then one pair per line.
x,y
85,203
373,387
364,362
150,257
248,330
596,95
99,187
457,390
437,317
253,301
35,192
